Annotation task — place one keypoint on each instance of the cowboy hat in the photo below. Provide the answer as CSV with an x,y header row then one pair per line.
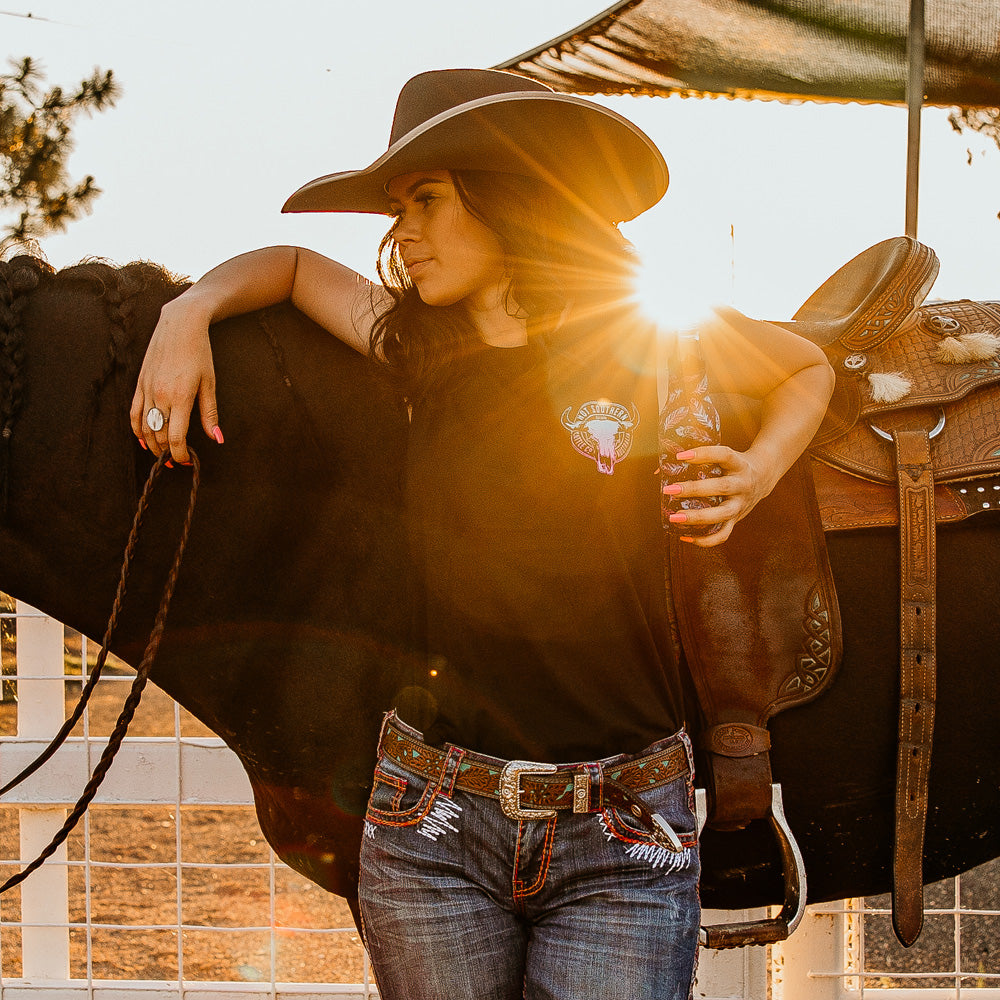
x,y
479,119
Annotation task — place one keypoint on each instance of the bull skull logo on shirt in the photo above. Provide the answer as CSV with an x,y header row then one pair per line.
x,y
602,430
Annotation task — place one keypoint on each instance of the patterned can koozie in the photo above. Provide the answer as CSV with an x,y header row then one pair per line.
x,y
688,419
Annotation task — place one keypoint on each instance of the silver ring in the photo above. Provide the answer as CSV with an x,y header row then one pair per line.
x,y
938,427
154,419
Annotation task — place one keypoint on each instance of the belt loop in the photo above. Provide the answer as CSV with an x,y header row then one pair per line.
x,y
387,721
588,788
449,771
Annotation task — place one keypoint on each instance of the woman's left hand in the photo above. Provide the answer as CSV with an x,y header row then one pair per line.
x,y
742,485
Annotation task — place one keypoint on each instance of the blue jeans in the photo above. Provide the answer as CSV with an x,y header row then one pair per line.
x,y
460,902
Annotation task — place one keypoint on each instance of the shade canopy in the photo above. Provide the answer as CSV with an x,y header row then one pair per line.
x,y
839,50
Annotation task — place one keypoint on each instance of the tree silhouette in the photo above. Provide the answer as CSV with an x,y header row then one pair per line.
x,y
35,142
984,120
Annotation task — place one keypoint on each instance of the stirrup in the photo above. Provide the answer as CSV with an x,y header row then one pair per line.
x,y
741,933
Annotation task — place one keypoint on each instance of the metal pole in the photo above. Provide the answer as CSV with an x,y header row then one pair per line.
x,y
40,712
914,103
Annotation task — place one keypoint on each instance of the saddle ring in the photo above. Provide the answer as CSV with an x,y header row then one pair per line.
x,y
938,427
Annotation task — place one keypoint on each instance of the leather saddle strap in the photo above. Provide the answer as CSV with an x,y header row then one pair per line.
x,y
915,477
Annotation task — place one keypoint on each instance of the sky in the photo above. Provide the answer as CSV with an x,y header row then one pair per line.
x,y
227,107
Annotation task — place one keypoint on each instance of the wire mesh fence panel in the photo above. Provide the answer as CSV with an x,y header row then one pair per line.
x,y
849,949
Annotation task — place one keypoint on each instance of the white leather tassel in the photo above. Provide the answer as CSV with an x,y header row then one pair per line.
x,y
889,387
951,351
967,348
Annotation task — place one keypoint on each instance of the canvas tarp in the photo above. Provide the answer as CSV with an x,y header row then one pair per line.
x,y
841,50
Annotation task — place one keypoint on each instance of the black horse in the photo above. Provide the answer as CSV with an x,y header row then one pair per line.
x,y
290,630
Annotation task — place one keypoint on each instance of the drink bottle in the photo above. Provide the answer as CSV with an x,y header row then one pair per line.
x,y
687,420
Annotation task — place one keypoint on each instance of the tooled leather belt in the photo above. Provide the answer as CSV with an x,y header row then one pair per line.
x,y
531,790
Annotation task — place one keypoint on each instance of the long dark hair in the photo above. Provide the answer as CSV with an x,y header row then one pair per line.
x,y
558,255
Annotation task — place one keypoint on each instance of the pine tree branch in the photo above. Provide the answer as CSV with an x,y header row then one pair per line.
x,y
35,144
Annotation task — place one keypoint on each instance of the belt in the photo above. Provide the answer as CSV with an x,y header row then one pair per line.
x,y
532,790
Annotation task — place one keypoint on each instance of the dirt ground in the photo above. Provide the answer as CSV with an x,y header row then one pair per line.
x,y
229,931
978,940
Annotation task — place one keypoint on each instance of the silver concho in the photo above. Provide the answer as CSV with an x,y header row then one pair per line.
x,y
944,324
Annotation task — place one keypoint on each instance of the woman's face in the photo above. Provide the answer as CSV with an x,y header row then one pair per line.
x,y
449,254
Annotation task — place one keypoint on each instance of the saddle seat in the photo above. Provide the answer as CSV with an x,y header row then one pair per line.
x,y
868,299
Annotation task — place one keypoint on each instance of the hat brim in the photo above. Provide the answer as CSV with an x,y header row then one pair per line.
x,y
584,150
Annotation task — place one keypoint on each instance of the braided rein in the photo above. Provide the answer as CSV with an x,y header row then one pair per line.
x,y
141,676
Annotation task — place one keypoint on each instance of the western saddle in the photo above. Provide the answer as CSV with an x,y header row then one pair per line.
x,y
907,442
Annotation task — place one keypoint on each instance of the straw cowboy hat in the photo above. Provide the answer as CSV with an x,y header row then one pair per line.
x,y
479,119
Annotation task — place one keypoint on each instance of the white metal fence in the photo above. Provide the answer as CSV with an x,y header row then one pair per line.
x,y
168,890
846,951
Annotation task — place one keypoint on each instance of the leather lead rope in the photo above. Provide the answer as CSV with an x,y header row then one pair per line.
x,y
141,676
917,678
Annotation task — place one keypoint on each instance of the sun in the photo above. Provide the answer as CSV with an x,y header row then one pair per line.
x,y
671,304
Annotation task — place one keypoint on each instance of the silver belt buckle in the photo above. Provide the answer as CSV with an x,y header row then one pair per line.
x,y
510,789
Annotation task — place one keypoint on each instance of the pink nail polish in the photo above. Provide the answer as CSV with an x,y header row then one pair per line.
x,y
217,434
169,464
685,455
142,444
678,518
671,489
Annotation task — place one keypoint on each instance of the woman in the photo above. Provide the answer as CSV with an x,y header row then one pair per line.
x,y
490,868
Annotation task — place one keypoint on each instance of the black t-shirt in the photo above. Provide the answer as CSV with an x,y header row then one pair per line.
x,y
545,603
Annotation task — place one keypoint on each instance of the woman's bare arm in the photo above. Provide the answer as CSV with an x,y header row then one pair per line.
x,y
178,368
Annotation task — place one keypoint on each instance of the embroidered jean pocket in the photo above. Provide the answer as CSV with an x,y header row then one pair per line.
x,y
673,801
399,798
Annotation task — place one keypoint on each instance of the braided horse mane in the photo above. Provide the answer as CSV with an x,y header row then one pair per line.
x,y
120,290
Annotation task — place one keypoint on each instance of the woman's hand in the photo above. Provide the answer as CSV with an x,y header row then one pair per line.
x,y
742,485
177,371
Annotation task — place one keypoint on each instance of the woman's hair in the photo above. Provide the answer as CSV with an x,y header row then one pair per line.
x,y
557,254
